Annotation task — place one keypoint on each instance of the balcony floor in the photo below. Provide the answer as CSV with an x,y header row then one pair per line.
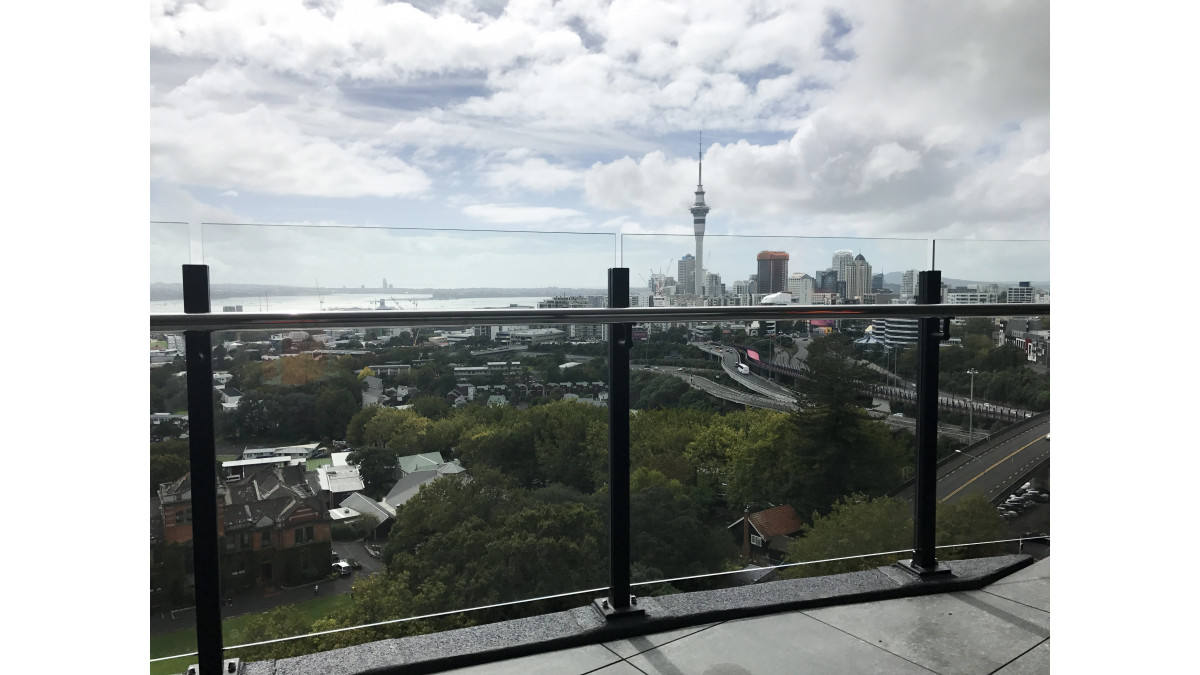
x,y
1002,629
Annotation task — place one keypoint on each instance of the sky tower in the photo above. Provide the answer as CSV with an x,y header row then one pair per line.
x,y
699,211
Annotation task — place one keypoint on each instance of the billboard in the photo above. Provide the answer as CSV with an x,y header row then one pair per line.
x,y
752,354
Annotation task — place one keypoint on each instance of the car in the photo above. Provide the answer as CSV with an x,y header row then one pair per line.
x,y
342,569
374,550
1038,537
679,369
897,414
354,564
336,557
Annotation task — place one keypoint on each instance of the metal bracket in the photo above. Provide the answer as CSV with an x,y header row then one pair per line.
x,y
609,612
232,666
924,573
945,334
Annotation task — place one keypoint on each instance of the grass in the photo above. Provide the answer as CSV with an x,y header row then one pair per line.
x,y
184,641
312,464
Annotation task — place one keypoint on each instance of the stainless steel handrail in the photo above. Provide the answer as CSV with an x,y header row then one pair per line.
x,y
219,321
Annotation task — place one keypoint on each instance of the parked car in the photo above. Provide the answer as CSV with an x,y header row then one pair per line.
x,y
336,557
342,569
354,564
374,550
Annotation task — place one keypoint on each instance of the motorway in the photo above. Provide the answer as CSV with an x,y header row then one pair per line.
x,y
995,467
721,391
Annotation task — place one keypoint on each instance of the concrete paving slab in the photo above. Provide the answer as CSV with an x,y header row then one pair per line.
x,y
618,668
966,632
1036,661
565,662
1035,592
788,644
641,643
1038,570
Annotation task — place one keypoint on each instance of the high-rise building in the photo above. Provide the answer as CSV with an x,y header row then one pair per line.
x,y
800,285
687,275
877,283
842,259
826,281
772,271
713,285
699,211
1022,292
858,278
908,284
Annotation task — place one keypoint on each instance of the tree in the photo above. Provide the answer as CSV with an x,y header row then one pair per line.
x,y
281,622
377,466
165,468
856,525
335,408
840,450
431,407
859,525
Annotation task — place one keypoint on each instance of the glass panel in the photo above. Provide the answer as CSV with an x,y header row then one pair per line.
x,y
465,470
483,449
755,418
170,249
997,371
665,264
172,619
308,268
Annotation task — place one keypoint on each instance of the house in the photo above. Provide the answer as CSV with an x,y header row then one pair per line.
x,y
765,536
410,484
273,529
382,512
422,462
338,480
229,397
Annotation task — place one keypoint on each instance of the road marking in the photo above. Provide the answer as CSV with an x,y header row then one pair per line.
x,y
990,468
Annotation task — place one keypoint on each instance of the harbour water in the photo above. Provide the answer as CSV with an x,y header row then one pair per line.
x,y
348,301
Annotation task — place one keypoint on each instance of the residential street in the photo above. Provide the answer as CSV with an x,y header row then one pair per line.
x,y
259,600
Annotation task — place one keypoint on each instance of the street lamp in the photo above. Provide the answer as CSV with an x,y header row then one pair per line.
x,y
971,409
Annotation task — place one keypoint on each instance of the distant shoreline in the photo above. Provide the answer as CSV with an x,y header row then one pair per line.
x,y
163,291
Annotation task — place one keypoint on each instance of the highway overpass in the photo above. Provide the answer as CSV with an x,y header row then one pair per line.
x,y
995,467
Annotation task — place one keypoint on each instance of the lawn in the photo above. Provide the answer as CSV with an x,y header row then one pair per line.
x,y
312,464
184,641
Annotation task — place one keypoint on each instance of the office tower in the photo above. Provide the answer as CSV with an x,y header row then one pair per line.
x,y
800,285
908,284
877,283
713,285
699,211
858,277
826,281
842,259
687,275
1022,292
772,271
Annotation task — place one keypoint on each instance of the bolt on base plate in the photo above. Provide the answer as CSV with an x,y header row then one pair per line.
x,y
606,609
938,570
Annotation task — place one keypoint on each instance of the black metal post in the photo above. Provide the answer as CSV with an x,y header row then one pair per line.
x,y
202,444
924,561
620,340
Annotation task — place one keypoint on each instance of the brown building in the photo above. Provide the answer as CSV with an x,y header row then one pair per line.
x,y
772,271
274,531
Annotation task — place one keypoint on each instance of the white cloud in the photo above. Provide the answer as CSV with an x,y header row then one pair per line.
x,y
263,151
534,174
887,161
516,214
927,118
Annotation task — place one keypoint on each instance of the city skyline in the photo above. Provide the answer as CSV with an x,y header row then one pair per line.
x,y
581,117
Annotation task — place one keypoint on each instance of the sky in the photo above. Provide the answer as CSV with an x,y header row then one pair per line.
x,y
873,126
